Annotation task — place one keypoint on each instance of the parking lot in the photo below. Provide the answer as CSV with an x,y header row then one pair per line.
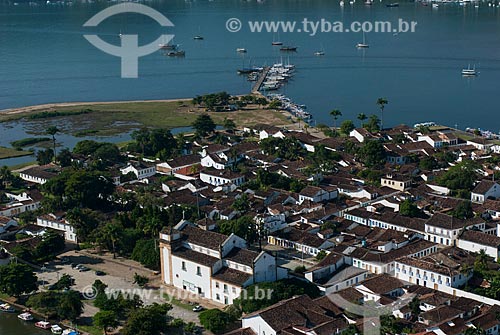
x,y
119,275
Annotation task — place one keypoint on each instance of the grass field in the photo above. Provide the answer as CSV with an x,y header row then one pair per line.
x,y
114,118
10,153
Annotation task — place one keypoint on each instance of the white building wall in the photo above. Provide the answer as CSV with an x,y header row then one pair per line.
x,y
189,279
258,325
69,231
476,247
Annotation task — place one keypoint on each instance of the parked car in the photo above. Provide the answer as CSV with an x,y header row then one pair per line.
x,y
198,308
100,273
83,269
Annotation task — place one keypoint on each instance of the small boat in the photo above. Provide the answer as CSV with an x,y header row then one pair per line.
x,y
55,329
241,50
277,42
319,53
25,316
288,48
364,44
42,325
198,38
248,70
368,2
178,53
341,3
435,5
168,46
7,308
468,72
394,4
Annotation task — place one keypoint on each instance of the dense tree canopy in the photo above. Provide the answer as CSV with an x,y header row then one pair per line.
x,y
372,153
215,320
204,125
17,279
151,320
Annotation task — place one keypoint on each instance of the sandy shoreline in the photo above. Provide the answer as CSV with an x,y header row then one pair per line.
x,y
35,108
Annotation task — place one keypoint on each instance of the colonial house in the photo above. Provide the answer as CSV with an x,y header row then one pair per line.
x,y
40,174
396,182
318,194
373,289
303,241
212,265
179,164
294,316
361,134
475,241
140,169
58,222
378,263
8,226
333,274
17,204
445,229
484,190
437,271
221,177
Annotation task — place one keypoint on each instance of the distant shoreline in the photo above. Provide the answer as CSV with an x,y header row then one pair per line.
x,y
43,107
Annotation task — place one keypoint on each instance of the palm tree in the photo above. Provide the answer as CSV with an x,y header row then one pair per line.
x,y
5,175
362,117
381,102
299,119
53,130
335,114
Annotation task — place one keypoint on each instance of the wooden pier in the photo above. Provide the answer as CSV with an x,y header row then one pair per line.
x,y
260,81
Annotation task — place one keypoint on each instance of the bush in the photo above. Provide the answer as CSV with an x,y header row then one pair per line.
x,y
275,292
215,320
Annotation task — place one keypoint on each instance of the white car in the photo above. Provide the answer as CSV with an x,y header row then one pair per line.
x,y
198,308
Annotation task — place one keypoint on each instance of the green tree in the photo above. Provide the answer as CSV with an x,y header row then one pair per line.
x,y
214,320
408,208
372,153
373,124
381,102
151,320
322,254
361,117
5,176
105,319
53,130
463,210
203,125
347,126
52,243
70,306
461,176
415,306
335,114
64,157
16,279
65,282
147,253
141,281
241,203
229,125
44,157
428,163
243,227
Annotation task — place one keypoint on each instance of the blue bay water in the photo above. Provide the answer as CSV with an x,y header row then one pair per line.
x,y
44,58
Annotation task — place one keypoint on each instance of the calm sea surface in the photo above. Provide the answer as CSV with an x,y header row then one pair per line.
x,y
44,58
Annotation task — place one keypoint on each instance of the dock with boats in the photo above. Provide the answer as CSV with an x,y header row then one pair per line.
x,y
260,81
